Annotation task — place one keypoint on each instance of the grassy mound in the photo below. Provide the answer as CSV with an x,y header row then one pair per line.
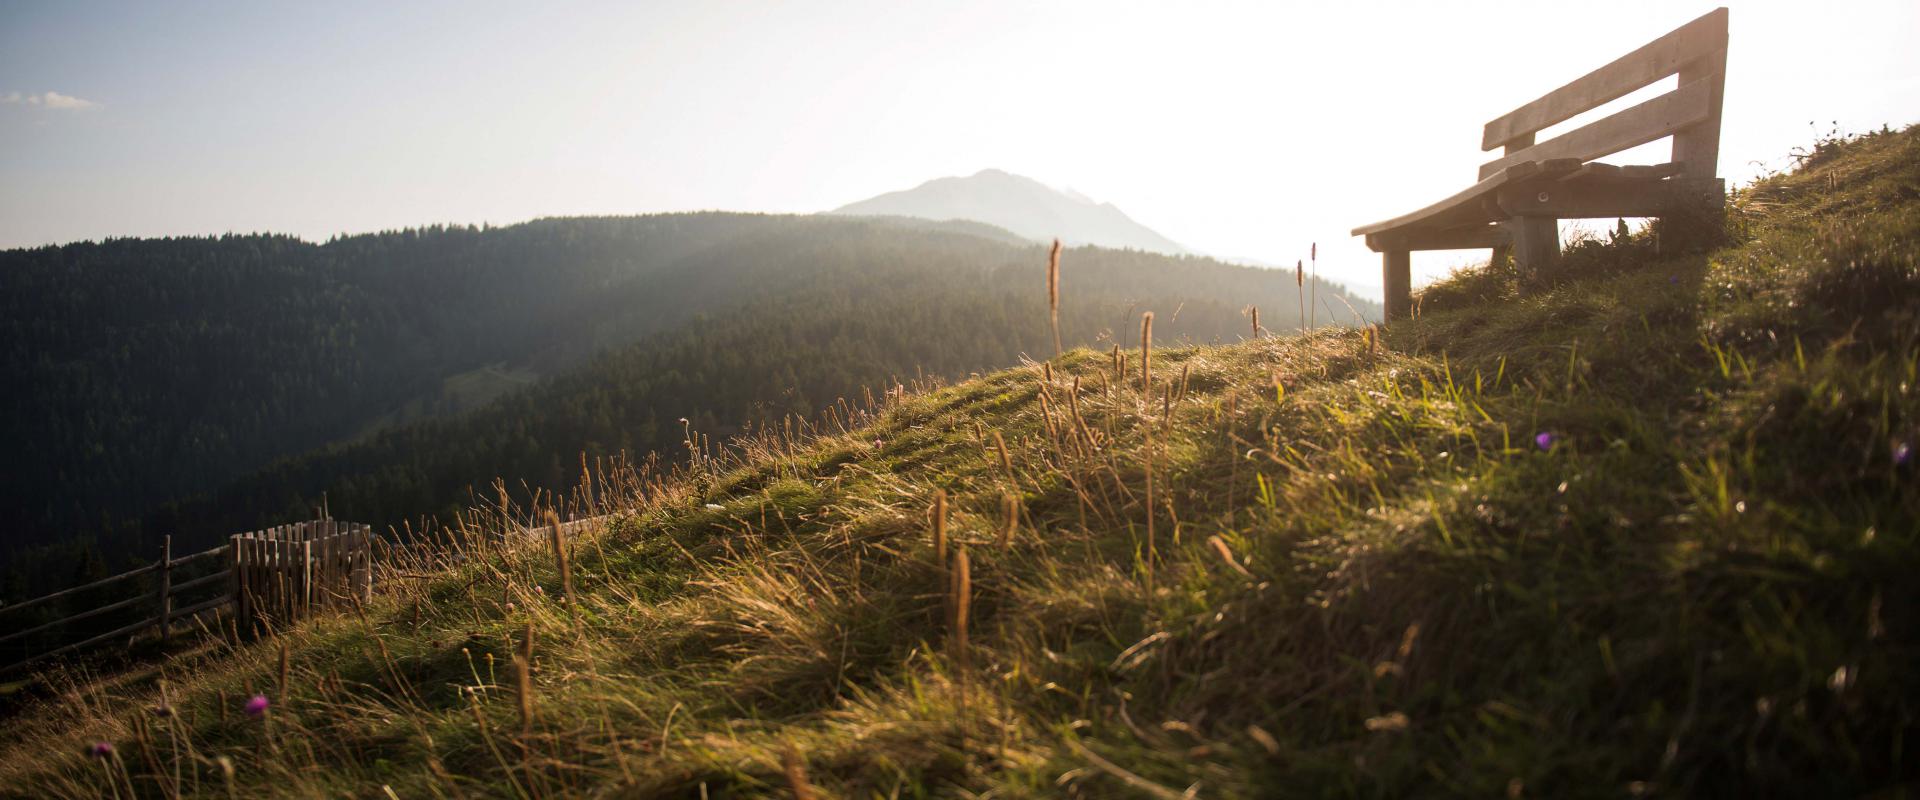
x,y
1649,531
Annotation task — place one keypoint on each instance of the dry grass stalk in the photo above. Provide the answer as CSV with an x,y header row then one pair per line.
x,y
1073,402
1119,365
1053,294
1166,410
1233,464
1146,353
1219,546
285,665
560,558
1046,414
1300,292
795,767
1147,458
962,603
523,678
1006,461
1012,522
1313,310
1255,311
939,515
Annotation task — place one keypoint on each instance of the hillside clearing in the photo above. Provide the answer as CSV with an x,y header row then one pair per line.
x,y
1649,531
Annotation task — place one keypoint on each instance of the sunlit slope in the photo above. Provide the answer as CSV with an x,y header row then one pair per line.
x,y
1647,529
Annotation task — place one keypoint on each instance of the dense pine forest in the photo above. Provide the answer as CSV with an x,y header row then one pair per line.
x,y
195,387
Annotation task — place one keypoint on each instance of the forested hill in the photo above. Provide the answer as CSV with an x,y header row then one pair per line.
x,y
152,372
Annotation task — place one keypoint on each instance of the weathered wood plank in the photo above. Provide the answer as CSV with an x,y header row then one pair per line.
x,y
365,546
112,634
200,581
138,571
1657,59
1396,274
1697,149
196,608
74,618
1601,198
1462,208
166,586
1470,238
235,589
1536,243
222,549
1665,115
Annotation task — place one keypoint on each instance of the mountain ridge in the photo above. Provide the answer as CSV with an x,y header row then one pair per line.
x,y
1021,205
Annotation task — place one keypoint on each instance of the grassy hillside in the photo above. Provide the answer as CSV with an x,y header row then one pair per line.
x,y
157,371
1648,530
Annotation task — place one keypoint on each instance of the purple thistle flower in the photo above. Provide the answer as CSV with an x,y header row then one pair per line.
x,y
257,705
1545,440
1902,453
100,749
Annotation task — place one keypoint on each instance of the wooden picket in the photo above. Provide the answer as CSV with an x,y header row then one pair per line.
x,y
287,572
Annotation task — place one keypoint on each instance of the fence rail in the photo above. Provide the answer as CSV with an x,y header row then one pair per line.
x,y
272,576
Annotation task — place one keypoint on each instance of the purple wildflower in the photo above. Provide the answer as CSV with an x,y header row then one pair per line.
x,y
1545,440
1902,453
100,749
257,705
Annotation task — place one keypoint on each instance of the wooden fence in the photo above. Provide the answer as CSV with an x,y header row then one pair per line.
x,y
269,577
282,574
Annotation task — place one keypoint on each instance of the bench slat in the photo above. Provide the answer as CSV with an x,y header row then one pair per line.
x,y
1596,171
1665,115
1610,198
1472,206
1657,59
1472,237
1462,207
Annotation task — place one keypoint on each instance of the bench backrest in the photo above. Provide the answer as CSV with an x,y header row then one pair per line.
x,y
1696,51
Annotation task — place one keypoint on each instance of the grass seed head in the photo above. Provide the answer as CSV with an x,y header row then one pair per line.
x,y
939,516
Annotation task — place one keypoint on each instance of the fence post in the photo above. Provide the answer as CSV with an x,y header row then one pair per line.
x,y
236,597
364,543
306,576
166,587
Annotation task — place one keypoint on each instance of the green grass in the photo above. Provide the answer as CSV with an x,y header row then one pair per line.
x,y
1702,585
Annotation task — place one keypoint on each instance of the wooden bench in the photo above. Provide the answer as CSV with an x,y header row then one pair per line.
x,y
1520,197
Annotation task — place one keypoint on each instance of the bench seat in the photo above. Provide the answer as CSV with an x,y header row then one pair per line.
x,y
1563,188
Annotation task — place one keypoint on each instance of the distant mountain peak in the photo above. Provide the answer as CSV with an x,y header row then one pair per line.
x,y
1024,206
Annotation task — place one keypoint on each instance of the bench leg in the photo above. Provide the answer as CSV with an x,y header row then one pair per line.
x,y
1396,275
1536,245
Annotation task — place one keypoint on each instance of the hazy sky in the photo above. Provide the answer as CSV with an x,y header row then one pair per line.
x,y
1238,129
